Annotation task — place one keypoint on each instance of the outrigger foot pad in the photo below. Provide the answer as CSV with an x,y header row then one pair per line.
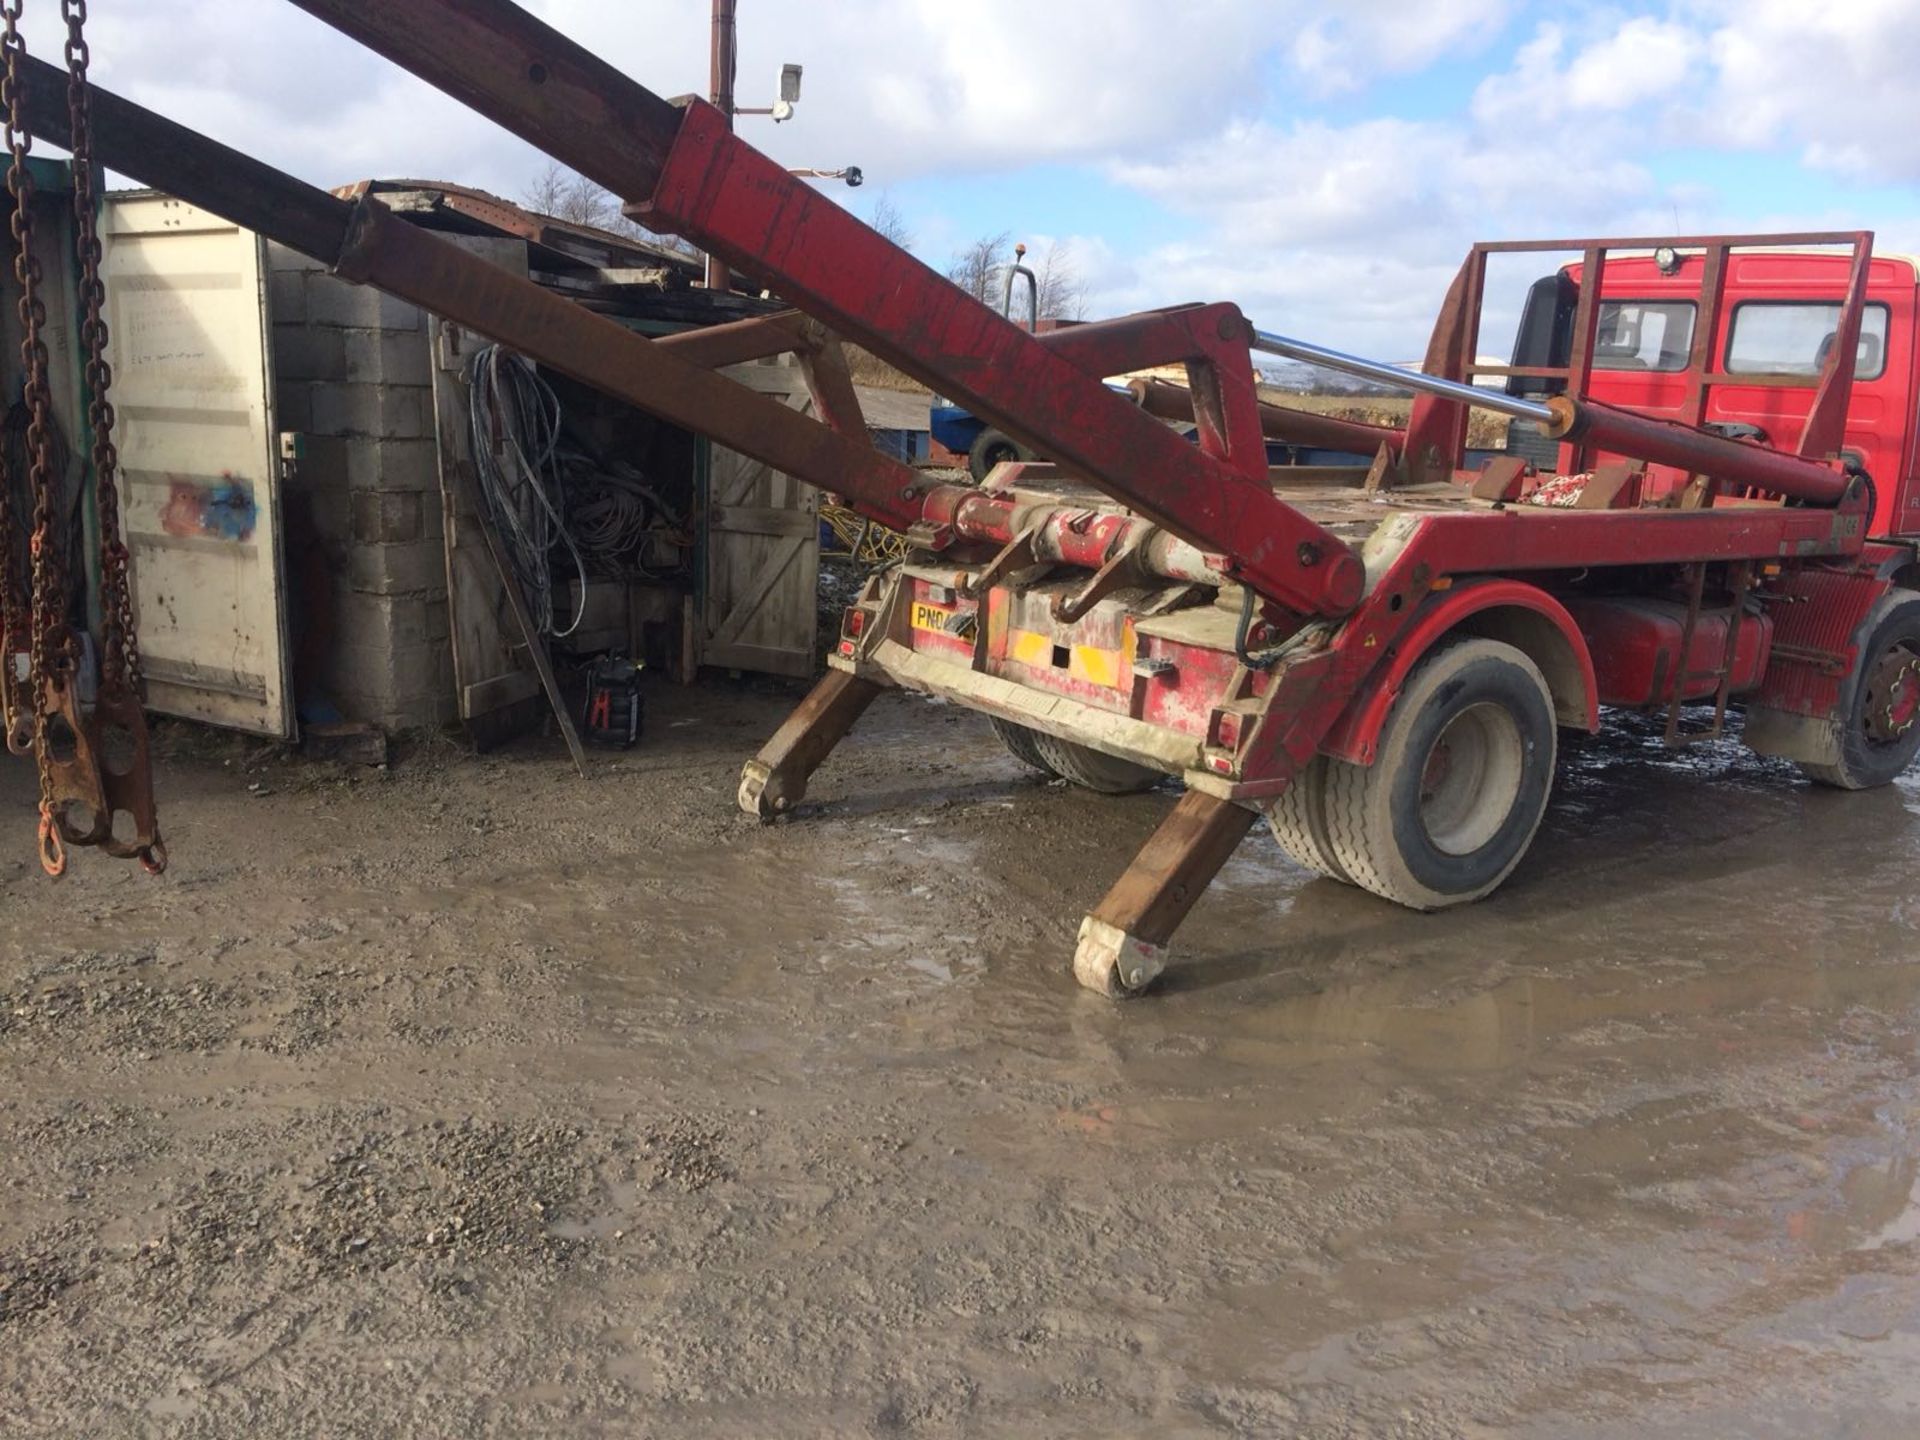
x,y
754,799
1110,962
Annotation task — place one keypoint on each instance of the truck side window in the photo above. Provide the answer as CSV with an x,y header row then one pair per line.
x,y
1643,335
1781,337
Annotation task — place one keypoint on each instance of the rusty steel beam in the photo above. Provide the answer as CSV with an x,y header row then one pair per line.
x,y
1277,422
1679,242
182,162
684,170
1826,426
738,341
365,241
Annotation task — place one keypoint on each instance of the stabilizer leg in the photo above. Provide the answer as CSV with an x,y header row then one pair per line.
x,y
1123,943
775,780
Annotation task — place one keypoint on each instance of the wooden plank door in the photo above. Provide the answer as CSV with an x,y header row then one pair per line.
x,y
762,551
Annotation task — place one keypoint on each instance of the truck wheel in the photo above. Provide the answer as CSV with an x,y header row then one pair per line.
x,y
1094,769
1020,743
1298,820
1880,701
991,448
1463,769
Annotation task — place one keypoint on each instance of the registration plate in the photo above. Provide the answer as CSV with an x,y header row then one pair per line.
x,y
930,617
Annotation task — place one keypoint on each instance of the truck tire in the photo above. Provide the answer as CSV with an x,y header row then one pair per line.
x,y
1880,701
1020,743
1094,769
1298,820
993,447
1463,770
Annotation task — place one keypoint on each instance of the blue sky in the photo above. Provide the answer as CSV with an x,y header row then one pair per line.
x,y
1323,164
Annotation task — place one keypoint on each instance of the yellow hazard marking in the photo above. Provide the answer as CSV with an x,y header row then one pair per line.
x,y
1084,662
1031,648
930,617
1099,667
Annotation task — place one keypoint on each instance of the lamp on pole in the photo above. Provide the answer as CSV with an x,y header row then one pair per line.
x,y
724,63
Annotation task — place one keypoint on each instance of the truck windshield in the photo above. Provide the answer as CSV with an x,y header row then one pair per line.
x,y
1774,337
1643,335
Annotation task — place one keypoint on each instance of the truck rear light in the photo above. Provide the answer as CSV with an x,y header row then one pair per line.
x,y
1220,764
846,648
1226,730
856,621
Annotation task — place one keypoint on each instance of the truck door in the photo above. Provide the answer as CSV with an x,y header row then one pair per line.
x,y
199,461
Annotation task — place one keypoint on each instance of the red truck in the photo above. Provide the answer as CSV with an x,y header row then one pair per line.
x,y
1718,506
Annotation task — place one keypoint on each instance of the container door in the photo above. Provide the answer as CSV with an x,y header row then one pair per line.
x,y
199,461
762,551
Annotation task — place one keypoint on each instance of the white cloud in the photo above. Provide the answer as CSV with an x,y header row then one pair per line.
x,y
902,89
1645,59
1365,39
1835,80
1350,233
1624,80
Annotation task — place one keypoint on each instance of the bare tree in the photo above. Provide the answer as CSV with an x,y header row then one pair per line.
x,y
981,271
889,222
559,192
1062,291
977,268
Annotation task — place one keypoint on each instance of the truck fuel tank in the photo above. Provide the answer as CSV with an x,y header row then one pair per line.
x,y
1636,647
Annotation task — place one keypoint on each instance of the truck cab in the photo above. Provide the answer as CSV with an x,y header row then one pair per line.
x,y
1774,334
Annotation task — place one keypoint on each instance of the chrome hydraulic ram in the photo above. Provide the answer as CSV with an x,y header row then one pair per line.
x,y
1602,427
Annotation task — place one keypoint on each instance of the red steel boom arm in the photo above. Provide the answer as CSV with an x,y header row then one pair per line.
x,y
683,170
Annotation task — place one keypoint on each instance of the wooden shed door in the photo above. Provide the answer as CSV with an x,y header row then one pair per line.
x,y
762,551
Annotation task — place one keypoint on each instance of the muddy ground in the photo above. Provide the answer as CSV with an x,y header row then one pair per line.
x,y
471,1099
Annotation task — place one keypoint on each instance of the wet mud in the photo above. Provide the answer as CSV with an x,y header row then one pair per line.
x,y
468,1098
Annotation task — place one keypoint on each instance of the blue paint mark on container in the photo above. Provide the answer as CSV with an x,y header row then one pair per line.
x,y
222,511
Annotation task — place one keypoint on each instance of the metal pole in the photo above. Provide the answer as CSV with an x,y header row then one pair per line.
x,y
1497,400
722,63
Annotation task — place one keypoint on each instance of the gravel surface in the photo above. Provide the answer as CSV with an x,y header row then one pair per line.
x,y
468,1098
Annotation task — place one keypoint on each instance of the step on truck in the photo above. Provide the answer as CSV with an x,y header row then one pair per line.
x,y
1714,504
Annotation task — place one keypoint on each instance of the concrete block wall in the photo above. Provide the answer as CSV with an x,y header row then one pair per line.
x,y
368,575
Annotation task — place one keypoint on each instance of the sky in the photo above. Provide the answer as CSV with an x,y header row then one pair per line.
x,y
1326,165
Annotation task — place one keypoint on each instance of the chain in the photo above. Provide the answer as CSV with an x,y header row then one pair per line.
x,y
14,619
120,652
50,657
